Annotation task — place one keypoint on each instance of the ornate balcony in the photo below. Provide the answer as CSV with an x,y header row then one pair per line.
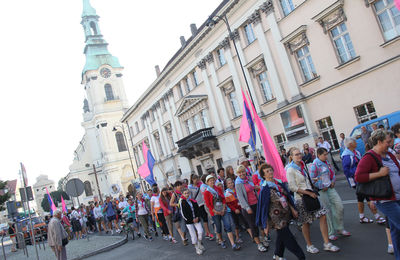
x,y
200,142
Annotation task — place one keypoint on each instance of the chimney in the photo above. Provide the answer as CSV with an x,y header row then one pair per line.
x,y
158,72
183,41
193,29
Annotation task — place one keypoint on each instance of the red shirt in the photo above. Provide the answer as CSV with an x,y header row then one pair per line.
x,y
209,199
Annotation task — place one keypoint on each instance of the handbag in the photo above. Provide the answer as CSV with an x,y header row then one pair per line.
x,y
64,241
310,204
378,188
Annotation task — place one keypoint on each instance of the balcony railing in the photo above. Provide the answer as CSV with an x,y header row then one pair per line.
x,y
200,142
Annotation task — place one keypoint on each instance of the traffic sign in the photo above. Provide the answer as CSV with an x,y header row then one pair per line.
x,y
74,187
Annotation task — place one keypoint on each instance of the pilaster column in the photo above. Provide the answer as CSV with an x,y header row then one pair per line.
x,y
268,9
163,136
172,120
275,82
212,103
231,64
152,143
177,123
236,38
220,99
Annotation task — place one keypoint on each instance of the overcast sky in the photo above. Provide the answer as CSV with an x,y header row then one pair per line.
x,y
42,58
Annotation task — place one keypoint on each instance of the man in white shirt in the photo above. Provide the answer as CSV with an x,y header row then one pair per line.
x,y
122,203
324,144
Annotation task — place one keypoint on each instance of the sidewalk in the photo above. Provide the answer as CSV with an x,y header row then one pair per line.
x,y
76,249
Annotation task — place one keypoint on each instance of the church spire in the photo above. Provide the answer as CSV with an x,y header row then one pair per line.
x,y
96,50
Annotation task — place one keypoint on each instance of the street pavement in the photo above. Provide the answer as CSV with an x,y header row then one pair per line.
x,y
368,241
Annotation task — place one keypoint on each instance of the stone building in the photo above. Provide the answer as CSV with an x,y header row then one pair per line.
x,y
39,190
314,68
103,149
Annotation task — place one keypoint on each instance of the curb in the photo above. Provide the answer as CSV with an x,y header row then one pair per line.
x,y
102,250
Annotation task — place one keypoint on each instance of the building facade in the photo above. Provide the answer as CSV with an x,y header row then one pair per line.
x,y
102,159
39,190
314,68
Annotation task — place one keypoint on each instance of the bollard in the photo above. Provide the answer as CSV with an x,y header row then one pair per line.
x,y
2,245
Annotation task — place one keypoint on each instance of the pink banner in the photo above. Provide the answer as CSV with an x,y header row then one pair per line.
x,y
53,206
397,2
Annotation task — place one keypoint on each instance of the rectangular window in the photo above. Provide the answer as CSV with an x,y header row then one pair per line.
x,y
137,127
365,112
265,86
189,126
179,86
219,162
287,6
187,84
195,78
204,117
294,124
199,170
171,142
306,64
197,122
143,124
388,17
327,131
234,104
343,45
280,140
248,29
163,107
221,57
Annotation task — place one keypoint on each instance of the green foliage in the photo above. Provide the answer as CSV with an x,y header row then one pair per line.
x,y
56,195
45,204
60,184
5,197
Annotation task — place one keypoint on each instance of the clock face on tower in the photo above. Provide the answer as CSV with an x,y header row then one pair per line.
x,y
105,72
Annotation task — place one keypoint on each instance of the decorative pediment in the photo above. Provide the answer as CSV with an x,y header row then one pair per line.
x,y
258,68
331,16
296,39
191,103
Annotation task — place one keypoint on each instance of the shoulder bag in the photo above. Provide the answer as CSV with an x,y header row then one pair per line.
x,y
310,204
378,188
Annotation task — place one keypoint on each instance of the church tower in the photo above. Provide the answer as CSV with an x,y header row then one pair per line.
x,y
104,144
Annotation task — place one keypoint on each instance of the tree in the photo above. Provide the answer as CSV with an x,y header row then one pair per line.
x,y
56,195
4,195
45,203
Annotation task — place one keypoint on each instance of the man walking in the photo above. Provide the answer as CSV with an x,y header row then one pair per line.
x,y
56,235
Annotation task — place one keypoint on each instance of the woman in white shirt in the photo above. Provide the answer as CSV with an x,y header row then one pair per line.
x,y
157,213
98,215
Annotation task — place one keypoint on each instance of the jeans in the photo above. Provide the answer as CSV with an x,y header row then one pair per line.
x,y
226,219
333,203
392,210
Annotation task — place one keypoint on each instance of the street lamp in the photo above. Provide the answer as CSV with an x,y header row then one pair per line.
x,y
129,152
97,181
211,23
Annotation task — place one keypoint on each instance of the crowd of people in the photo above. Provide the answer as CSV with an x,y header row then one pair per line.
x,y
250,200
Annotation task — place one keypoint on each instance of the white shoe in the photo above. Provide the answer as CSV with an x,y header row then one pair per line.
x,y
112,232
312,249
330,247
390,249
198,250
200,245
275,257
118,231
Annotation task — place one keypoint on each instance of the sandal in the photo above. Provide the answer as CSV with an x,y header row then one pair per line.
x,y
365,220
381,220
261,248
330,247
333,238
345,233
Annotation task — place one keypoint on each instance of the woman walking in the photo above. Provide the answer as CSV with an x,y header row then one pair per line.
x,y
165,198
157,212
142,214
191,214
324,179
378,163
247,194
215,202
233,203
176,217
274,209
197,195
297,176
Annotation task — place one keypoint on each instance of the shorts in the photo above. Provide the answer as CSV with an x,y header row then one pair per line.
x,y
99,220
361,198
203,214
111,218
76,225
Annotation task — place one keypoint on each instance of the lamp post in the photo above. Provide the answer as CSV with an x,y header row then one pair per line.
x,y
97,181
129,152
211,23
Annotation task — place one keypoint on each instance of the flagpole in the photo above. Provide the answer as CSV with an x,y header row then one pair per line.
x,y
29,212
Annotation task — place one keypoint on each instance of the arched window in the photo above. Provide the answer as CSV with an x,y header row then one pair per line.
x,y
120,142
88,188
93,28
109,92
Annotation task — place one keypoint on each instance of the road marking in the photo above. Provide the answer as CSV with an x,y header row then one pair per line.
x,y
349,201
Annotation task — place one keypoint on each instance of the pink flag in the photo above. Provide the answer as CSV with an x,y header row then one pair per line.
x,y
397,3
247,132
270,151
146,170
64,207
53,206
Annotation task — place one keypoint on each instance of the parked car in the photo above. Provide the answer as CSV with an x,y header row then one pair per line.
x,y
386,121
39,227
